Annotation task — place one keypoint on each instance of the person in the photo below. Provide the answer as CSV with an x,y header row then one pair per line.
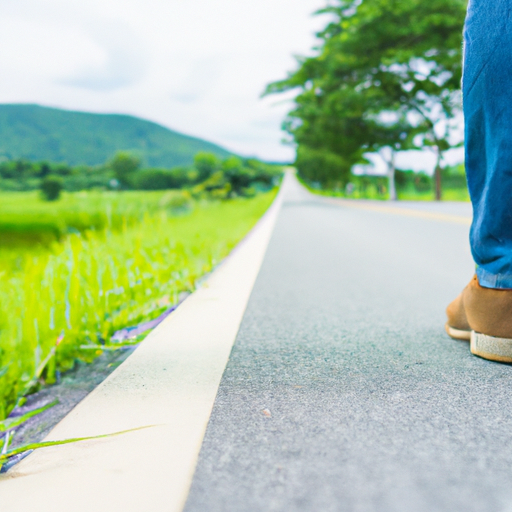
x,y
482,313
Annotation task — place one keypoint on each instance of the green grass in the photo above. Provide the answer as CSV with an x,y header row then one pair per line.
x,y
448,194
461,194
403,195
59,300
27,220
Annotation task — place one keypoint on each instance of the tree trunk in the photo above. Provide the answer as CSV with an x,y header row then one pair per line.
x,y
437,177
391,178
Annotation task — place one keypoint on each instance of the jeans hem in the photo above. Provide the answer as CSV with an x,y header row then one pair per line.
x,y
488,280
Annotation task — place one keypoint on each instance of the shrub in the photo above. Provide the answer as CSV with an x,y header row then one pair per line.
x,y
163,179
183,176
206,164
248,192
265,176
51,187
176,201
152,179
215,187
422,182
124,165
238,176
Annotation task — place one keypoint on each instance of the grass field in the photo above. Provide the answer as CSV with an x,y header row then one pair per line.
x,y
449,194
27,220
107,261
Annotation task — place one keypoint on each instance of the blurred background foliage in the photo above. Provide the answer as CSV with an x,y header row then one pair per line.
x,y
124,171
107,194
410,186
385,76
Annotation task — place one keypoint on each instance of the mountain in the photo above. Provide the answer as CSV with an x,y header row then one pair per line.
x,y
40,133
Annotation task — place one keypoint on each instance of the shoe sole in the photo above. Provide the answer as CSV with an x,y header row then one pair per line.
x,y
489,347
457,334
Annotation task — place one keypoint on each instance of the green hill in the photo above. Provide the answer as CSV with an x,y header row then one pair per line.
x,y
39,133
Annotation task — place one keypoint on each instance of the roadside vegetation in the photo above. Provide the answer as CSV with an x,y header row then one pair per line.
x,y
76,269
409,186
384,78
228,177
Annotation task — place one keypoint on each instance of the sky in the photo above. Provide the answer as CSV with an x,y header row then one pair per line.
x,y
198,67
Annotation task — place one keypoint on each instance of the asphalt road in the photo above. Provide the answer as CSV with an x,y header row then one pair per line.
x,y
343,393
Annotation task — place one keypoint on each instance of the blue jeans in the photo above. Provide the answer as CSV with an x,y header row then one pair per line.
x,y
487,98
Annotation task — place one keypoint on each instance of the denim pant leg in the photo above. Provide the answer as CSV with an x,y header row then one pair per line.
x,y
487,97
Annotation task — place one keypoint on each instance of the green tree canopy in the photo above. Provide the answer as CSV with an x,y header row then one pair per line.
x,y
386,74
206,164
51,187
322,167
124,165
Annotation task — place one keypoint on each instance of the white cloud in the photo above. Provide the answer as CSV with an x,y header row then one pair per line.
x,y
123,60
197,67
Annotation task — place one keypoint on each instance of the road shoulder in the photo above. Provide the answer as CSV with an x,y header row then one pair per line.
x,y
170,384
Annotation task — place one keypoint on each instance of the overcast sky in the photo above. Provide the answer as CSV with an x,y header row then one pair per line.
x,y
198,67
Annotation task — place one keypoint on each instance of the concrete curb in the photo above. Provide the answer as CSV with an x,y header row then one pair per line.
x,y
170,382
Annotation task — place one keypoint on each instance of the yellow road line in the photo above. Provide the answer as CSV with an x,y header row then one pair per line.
x,y
443,217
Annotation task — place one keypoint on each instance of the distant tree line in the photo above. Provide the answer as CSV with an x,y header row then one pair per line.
x,y
209,175
409,184
385,78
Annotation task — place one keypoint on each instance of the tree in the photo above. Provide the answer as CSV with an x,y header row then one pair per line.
x,y
264,175
51,187
162,179
326,122
383,67
206,164
44,169
237,174
387,137
124,165
322,167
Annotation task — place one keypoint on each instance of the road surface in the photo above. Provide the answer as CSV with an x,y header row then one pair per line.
x,y
343,392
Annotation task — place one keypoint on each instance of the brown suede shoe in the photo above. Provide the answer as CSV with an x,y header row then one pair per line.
x,y
483,316
457,326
